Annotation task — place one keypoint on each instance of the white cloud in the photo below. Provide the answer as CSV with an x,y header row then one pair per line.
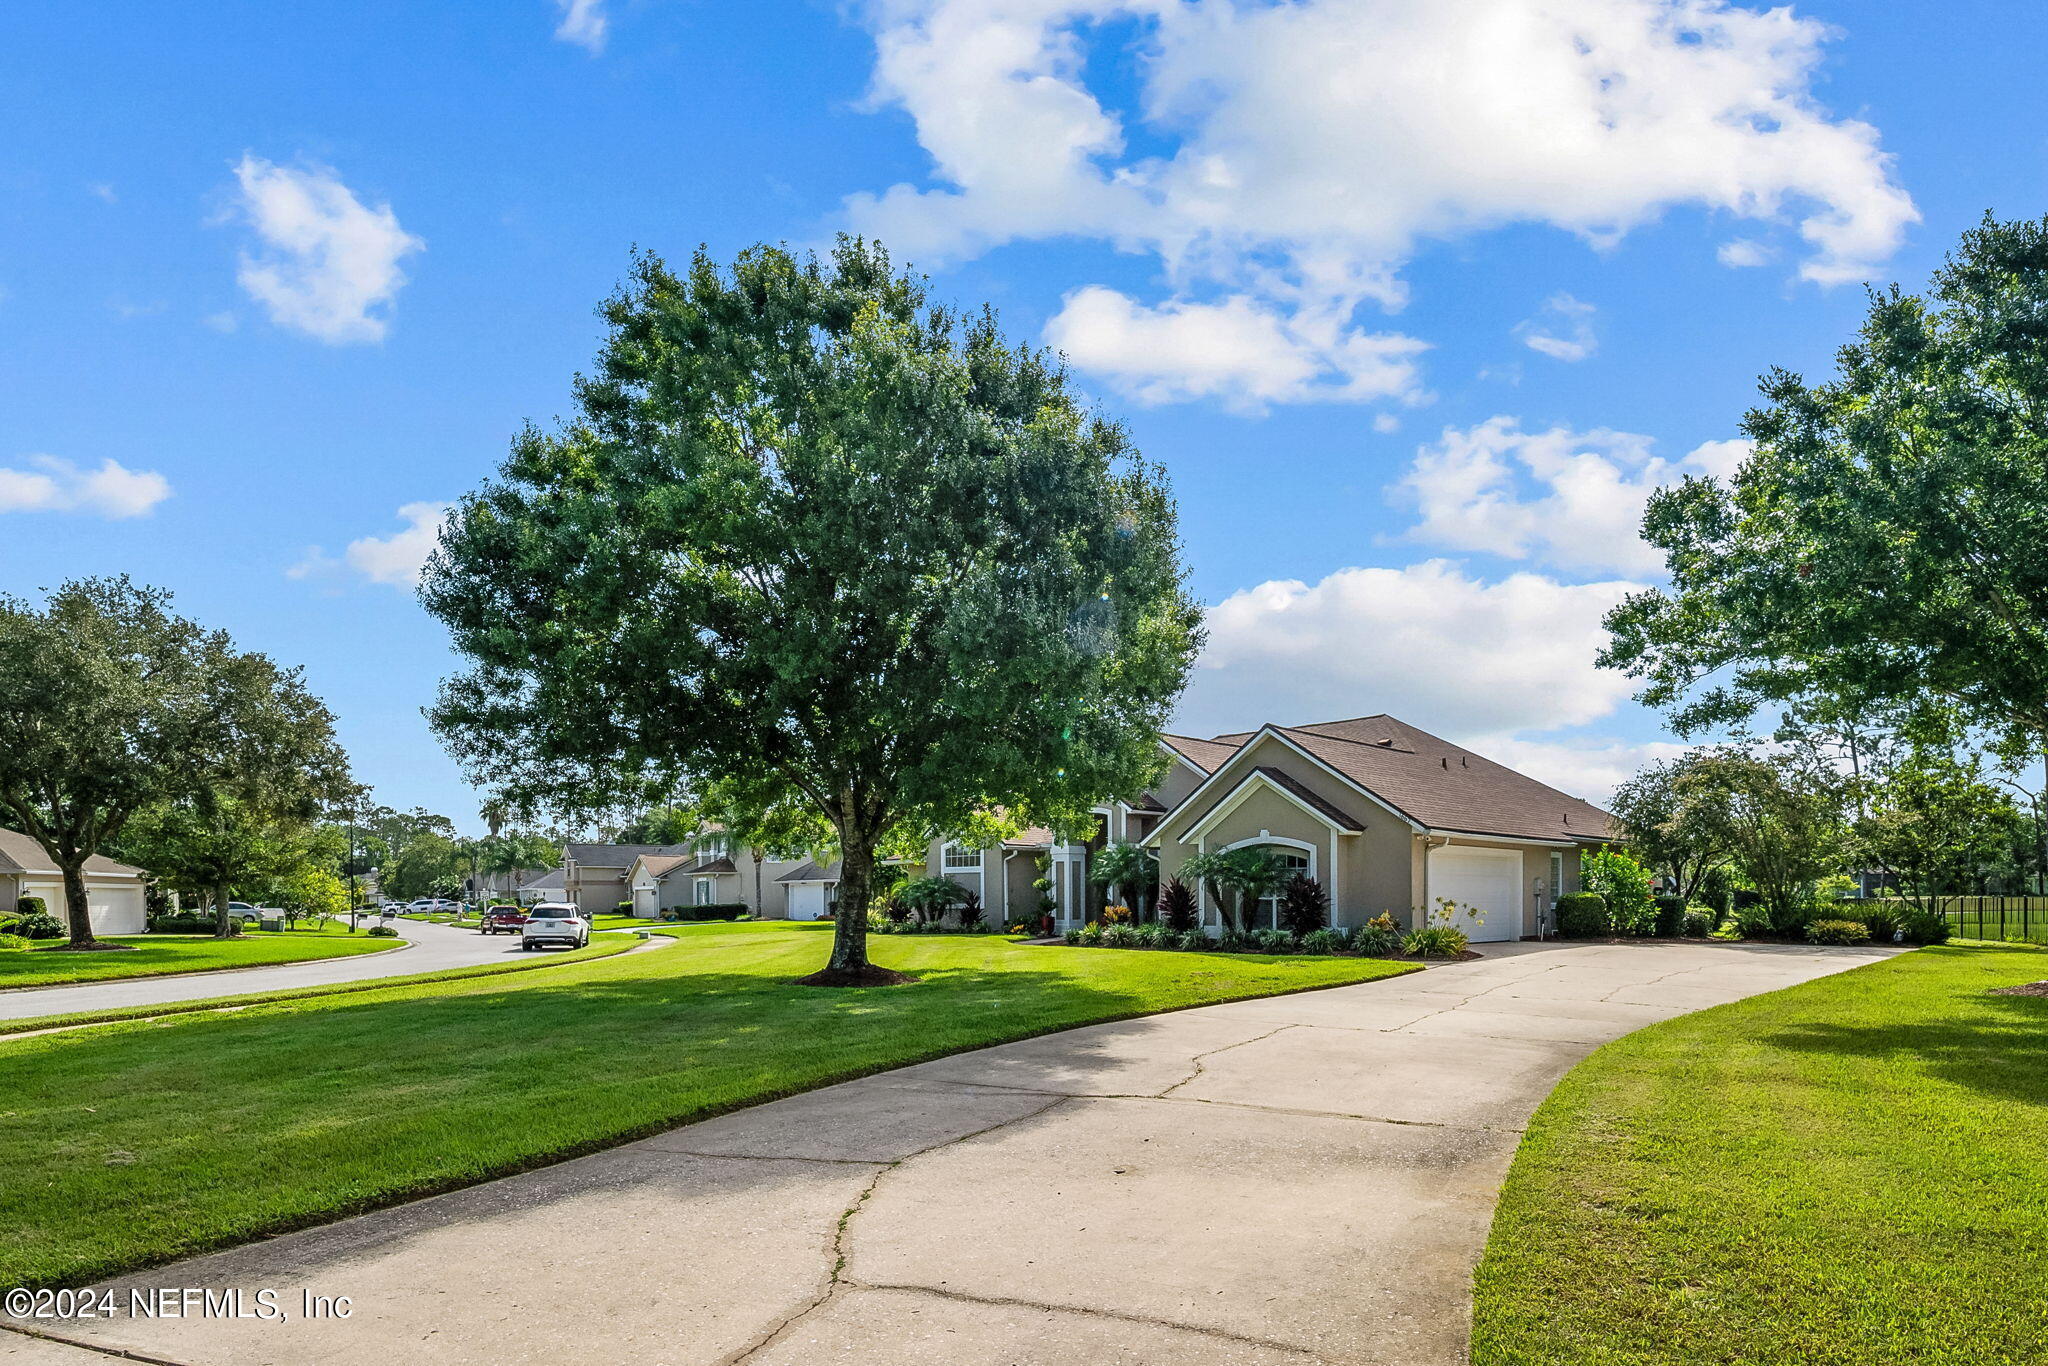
x,y
1562,331
583,23
395,559
1741,252
1298,153
103,192
1590,767
53,485
1428,642
1239,350
1386,424
329,266
1568,499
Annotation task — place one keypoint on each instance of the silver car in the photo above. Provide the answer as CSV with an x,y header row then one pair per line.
x,y
554,923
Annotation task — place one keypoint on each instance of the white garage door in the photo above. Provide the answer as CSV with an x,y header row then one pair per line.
x,y
116,909
806,901
1487,880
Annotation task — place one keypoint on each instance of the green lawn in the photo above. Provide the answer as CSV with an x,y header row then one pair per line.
x,y
161,955
136,1143
1845,1173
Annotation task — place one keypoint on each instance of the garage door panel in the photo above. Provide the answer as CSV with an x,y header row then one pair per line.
x,y
1489,881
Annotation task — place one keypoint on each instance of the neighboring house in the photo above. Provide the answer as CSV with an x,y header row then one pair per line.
x,y
709,871
113,891
810,890
594,875
548,886
1387,817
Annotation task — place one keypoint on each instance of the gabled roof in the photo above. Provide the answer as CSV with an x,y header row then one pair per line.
x,y
661,864
809,871
553,880
1037,837
1206,755
619,855
1445,787
20,853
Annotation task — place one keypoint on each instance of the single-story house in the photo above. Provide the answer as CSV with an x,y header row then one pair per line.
x,y
548,886
1387,817
113,891
809,890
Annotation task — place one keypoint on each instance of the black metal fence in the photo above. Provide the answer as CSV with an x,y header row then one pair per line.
x,y
2015,919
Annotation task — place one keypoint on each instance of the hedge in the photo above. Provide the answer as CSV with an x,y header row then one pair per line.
x,y
1582,915
724,910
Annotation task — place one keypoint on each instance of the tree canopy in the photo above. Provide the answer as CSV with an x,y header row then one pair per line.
x,y
1887,539
807,527
110,703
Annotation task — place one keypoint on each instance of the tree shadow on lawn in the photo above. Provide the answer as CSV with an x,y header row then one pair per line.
x,y
390,1100
1997,1045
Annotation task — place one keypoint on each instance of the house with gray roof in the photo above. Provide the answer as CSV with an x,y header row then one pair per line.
x,y
113,891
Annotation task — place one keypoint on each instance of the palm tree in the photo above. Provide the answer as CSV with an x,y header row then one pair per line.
x,y
1129,868
1212,871
1253,874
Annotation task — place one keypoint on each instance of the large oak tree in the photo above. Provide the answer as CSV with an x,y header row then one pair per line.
x,y
110,703
806,526
1887,540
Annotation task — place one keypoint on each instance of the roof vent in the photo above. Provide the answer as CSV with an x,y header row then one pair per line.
x,y
1447,763
1385,742
1462,763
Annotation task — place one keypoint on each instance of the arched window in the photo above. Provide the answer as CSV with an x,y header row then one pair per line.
x,y
1294,855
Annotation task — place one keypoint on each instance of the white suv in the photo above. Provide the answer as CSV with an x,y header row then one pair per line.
x,y
554,923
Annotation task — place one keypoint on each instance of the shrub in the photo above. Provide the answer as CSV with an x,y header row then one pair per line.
x,y
1838,932
1071,937
881,924
1435,941
13,943
1924,927
1233,941
31,905
1670,916
929,897
1273,941
1582,915
1304,905
1752,919
1177,906
623,908
1323,941
1625,884
1883,918
1378,937
1699,922
1119,936
40,924
1089,934
722,910
1116,915
1153,935
188,923
382,932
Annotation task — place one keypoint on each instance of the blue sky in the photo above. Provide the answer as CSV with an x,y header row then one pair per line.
x,y
1413,300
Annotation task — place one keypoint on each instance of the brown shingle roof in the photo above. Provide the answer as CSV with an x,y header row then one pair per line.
x,y
20,853
1207,755
811,872
1034,838
619,855
1442,786
1344,819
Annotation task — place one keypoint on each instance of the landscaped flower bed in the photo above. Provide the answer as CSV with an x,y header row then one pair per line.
x,y
1378,938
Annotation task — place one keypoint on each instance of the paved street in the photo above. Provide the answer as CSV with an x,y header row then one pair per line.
x,y
432,948
1294,1180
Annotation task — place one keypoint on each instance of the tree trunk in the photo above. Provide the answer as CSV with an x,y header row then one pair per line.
x,y
77,913
222,927
759,856
849,965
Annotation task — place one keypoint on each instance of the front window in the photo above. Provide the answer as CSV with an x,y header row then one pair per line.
x,y
1293,861
959,858
706,891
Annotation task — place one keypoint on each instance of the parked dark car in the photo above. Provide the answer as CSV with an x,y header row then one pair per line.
x,y
504,920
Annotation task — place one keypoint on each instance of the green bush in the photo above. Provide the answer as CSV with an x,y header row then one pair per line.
x,y
1435,941
1625,884
723,910
31,905
1838,932
1925,927
382,932
1582,915
1324,941
1191,941
38,924
1233,941
188,923
1089,935
1884,919
1699,921
1119,937
13,943
1273,941
1751,918
1670,916
1153,935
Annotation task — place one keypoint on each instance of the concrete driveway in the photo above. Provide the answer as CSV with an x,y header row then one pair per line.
x,y
430,948
1292,1180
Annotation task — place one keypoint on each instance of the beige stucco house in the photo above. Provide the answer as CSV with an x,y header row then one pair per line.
x,y
113,891
1387,817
